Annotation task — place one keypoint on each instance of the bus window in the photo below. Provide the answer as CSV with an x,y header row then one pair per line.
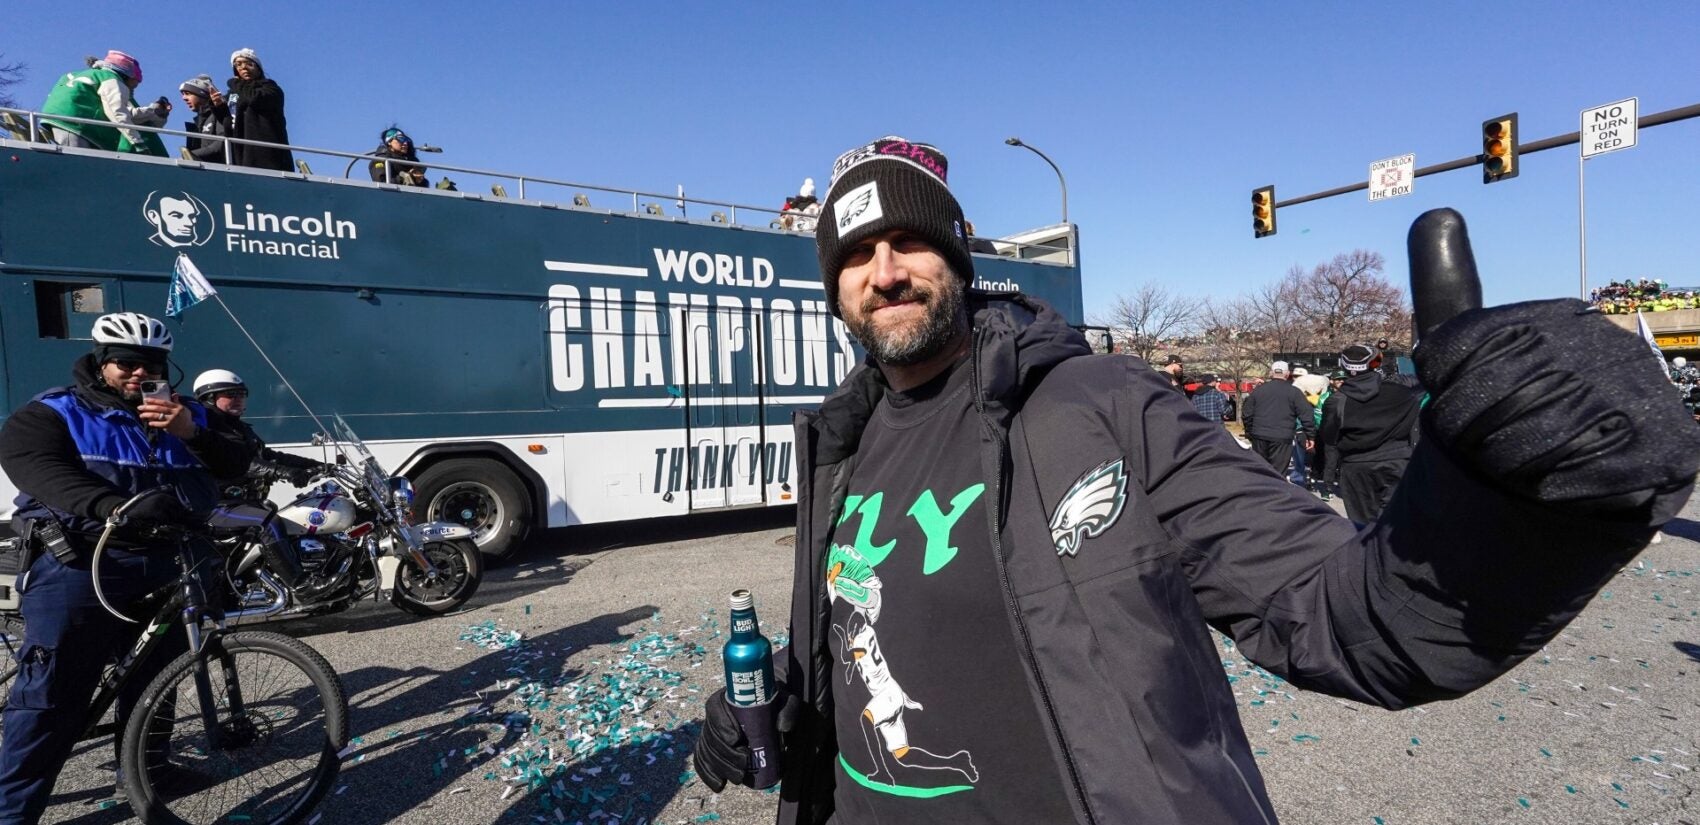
x,y
57,303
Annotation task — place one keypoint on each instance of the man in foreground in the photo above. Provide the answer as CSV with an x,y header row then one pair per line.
x,y
1051,532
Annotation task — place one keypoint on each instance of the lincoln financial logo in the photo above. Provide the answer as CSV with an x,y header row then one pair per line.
x,y
180,219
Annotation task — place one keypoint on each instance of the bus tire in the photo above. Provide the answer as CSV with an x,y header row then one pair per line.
x,y
484,496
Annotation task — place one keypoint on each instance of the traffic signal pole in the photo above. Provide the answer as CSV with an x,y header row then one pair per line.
x,y
1581,227
1570,138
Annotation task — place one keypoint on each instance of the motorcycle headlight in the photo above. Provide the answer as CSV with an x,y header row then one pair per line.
x,y
401,492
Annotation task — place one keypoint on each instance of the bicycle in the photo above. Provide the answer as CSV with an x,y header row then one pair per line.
x,y
244,692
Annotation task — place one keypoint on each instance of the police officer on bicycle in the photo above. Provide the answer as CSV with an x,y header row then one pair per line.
x,y
76,453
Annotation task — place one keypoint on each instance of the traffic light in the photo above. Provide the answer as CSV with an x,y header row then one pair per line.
x,y
1499,148
1263,211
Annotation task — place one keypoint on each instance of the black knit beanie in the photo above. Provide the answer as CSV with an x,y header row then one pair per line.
x,y
1357,358
888,184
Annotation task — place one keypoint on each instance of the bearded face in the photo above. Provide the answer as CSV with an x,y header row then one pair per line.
x,y
900,298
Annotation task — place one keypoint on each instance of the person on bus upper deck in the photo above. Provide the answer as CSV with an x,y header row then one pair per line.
x,y
212,118
800,209
105,91
76,453
256,113
402,160
1008,548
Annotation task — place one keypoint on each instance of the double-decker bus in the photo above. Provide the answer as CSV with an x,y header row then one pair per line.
x,y
526,363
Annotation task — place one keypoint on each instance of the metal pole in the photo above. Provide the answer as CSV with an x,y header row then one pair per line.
x,y
522,188
1015,141
1582,222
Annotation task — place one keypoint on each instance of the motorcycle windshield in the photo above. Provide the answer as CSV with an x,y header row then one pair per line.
x,y
359,455
345,434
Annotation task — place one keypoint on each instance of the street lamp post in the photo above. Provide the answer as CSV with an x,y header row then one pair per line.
x,y
1015,141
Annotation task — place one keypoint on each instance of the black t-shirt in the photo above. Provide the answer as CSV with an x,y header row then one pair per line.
x,y
935,719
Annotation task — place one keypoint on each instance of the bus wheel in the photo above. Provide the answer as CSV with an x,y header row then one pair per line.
x,y
481,495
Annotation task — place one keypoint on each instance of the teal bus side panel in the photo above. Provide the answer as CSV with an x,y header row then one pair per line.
x,y
426,315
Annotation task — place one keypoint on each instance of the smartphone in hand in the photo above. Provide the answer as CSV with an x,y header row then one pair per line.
x,y
157,390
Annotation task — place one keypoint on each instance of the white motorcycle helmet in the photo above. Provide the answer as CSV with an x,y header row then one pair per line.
x,y
213,382
1679,362
132,329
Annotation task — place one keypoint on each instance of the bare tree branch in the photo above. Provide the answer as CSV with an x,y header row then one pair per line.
x,y
1152,318
1233,343
11,74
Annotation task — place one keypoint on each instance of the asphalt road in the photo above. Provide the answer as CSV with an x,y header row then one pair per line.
x,y
588,713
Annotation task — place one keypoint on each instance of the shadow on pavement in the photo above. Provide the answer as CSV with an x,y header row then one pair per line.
x,y
563,542
1689,649
391,773
1683,528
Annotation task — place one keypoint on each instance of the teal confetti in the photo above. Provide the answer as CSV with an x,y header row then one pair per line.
x,y
1307,737
1523,802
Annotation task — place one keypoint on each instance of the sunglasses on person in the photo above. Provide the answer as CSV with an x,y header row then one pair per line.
x,y
127,365
232,394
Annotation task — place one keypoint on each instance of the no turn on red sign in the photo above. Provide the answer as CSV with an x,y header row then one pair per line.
x,y
1609,128
1392,177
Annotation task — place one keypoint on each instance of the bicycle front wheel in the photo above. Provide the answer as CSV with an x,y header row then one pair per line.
x,y
280,718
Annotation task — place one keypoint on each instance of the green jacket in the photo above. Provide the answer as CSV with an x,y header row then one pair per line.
x,y
87,94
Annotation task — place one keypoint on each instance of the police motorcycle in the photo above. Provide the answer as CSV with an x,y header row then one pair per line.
x,y
352,536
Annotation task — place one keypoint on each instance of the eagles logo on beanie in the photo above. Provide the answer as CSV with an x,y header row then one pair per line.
x,y
891,183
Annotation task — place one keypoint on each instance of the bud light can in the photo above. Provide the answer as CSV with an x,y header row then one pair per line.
x,y
749,688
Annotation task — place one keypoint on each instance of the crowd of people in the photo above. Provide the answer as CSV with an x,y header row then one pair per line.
x,y
1686,378
1644,295
1284,420
249,108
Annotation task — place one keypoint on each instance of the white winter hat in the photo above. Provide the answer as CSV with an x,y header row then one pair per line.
x,y
808,190
246,54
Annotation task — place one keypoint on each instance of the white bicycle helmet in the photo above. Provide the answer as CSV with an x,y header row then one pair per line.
x,y
132,329
212,382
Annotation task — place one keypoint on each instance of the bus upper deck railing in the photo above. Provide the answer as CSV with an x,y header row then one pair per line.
x,y
31,127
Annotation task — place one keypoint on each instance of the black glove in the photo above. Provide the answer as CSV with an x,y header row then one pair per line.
x,y
303,476
722,754
160,508
1548,399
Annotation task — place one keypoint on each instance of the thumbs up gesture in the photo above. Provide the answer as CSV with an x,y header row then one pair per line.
x,y
1546,399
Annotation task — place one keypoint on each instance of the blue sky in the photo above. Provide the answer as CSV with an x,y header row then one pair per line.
x,y
1163,116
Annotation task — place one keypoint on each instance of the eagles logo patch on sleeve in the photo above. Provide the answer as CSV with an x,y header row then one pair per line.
x,y
1090,507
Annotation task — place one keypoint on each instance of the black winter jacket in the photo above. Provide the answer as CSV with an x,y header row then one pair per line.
x,y
256,113
1126,680
268,464
212,122
1276,410
407,171
1371,418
